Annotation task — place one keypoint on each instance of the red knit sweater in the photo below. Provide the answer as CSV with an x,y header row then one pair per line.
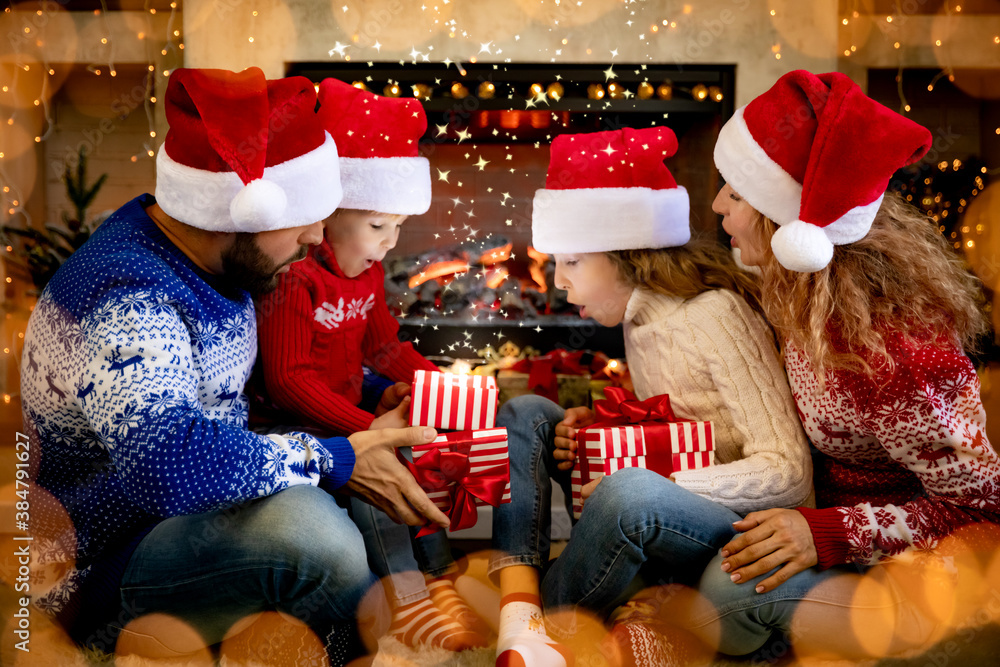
x,y
904,459
317,330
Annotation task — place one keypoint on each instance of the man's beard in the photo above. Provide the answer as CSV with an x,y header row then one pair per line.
x,y
245,267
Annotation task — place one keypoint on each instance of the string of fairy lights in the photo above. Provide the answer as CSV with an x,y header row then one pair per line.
x,y
555,90
943,189
34,25
163,54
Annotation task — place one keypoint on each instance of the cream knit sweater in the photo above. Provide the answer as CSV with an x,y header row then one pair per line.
x,y
717,360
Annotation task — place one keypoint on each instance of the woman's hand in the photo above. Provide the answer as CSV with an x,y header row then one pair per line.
x,y
769,539
565,440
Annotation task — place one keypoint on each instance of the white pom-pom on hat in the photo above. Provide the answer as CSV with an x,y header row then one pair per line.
x,y
258,206
801,246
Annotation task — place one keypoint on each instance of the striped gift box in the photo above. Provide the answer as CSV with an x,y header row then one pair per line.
x,y
615,464
606,450
619,441
602,443
453,402
486,449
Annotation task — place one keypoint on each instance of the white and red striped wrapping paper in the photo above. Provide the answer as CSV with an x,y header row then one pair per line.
x,y
606,450
453,402
488,449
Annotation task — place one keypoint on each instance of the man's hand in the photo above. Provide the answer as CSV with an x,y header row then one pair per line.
x,y
392,397
768,539
565,440
381,480
398,417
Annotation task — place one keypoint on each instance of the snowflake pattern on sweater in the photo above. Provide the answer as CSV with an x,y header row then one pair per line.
x,y
904,458
132,388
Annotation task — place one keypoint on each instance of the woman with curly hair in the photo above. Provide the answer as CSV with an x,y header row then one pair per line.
x,y
874,313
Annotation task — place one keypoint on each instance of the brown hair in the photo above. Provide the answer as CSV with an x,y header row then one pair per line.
x,y
367,212
686,271
900,277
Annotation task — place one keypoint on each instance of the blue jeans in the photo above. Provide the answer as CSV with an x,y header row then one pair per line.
x,y
522,527
397,556
635,520
296,552
818,611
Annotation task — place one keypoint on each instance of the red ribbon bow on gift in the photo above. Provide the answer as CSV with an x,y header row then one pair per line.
x,y
441,469
622,407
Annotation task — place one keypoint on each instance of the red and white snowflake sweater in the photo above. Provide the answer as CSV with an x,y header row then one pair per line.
x,y
316,332
904,458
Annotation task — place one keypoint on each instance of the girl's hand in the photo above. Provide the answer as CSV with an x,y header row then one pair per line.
x,y
589,488
398,417
391,398
565,440
769,539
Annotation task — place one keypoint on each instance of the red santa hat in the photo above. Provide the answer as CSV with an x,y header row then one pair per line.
x,y
610,191
378,138
815,155
244,154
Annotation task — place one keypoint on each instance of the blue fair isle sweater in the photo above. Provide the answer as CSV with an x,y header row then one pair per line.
x,y
132,387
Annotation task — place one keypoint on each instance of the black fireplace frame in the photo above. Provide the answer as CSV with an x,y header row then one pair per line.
x,y
460,338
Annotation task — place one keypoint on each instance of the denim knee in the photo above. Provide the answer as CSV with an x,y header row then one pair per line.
x,y
621,496
529,409
303,529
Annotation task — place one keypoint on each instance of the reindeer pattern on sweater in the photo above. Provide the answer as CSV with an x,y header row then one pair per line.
x,y
904,457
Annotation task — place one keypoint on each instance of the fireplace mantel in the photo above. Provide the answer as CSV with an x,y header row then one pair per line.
x,y
489,128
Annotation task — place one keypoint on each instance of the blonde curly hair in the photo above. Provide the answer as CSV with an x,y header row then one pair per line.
x,y
900,277
686,271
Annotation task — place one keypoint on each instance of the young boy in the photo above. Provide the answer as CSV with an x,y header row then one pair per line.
x,y
328,319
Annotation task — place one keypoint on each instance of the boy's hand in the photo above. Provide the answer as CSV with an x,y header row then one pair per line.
x,y
398,417
565,440
391,398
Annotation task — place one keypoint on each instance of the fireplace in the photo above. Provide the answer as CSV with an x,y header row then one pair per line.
x,y
463,275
